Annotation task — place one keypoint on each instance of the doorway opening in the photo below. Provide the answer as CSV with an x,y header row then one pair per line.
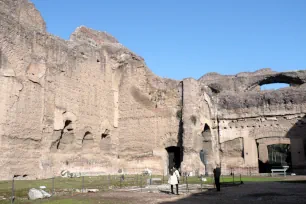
x,y
174,157
279,155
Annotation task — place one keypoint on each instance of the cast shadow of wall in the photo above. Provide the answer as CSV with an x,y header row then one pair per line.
x,y
297,135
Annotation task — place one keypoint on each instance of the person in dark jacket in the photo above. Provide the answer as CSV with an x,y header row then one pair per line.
x,y
217,174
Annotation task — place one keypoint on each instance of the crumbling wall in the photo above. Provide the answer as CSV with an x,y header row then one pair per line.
x,y
87,104
148,123
90,104
245,111
200,130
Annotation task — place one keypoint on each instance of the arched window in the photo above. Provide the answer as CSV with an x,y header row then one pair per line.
x,y
87,140
206,134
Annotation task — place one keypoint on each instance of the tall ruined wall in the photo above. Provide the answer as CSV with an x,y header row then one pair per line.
x,y
91,105
86,104
200,130
247,114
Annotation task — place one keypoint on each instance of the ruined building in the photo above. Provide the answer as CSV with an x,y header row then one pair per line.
x,y
88,104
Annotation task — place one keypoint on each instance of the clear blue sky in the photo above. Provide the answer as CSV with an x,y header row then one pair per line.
x,y
180,38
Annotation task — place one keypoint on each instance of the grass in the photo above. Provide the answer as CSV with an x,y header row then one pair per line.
x,y
67,186
229,179
55,201
65,201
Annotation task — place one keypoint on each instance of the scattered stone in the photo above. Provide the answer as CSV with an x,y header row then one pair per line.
x,y
87,190
93,190
35,194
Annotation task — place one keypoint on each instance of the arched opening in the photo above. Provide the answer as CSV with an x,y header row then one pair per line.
x,y
174,158
274,86
276,81
279,154
206,151
206,134
105,143
273,153
66,137
88,140
105,134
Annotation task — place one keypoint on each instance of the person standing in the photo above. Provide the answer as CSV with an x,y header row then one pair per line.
x,y
217,174
174,179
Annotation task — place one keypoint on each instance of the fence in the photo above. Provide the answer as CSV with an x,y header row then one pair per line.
x,y
246,171
57,186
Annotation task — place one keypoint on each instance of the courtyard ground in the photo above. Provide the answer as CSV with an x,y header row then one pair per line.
x,y
289,190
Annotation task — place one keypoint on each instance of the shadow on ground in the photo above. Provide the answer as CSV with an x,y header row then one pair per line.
x,y
284,192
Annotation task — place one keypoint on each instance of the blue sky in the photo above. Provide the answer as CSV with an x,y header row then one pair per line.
x,y
180,39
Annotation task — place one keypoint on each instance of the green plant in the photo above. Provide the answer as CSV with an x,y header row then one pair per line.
x,y
179,114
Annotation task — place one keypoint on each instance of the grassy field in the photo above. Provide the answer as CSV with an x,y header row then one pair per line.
x,y
68,186
64,201
76,200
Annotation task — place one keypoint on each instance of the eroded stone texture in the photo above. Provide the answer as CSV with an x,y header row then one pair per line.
x,y
259,117
90,104
87,104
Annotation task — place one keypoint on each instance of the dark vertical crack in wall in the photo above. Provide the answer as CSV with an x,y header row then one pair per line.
x,y
181,126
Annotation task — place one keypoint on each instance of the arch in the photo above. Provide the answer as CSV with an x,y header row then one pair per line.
x,y
105,142
174,157
264,151
105,134
277,78
88,140
206,133
65,137
207,149
274,86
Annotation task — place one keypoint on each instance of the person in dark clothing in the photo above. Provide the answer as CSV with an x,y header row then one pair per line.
x,y
217,174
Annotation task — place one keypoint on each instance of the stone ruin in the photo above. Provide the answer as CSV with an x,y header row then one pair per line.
x,y
88,104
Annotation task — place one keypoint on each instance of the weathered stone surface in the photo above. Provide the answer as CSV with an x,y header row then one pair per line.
x,y
91,105
35,194
86,105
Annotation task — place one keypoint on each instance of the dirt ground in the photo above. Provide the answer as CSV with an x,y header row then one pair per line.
x,y
286,192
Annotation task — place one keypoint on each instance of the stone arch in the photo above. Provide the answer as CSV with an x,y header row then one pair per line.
x,y
263,153
206,148
206,133
277,78
105,142
65,137
88,140
174,157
